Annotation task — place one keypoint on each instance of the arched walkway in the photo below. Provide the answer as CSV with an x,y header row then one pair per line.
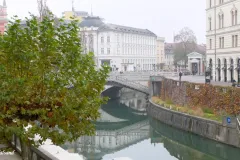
x,y
211,68
231,70
219,70
225,69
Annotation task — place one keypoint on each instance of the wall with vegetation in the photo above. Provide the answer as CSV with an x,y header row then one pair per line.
x,y
223,100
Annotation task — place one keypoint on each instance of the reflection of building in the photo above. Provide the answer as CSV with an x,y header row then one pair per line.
x,y
3,17
196,63
160,52
124,48
223,56
119,127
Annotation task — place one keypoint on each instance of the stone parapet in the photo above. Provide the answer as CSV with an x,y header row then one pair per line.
x,y
203,127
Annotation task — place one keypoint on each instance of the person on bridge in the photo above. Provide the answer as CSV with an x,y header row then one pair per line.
x,y
180,76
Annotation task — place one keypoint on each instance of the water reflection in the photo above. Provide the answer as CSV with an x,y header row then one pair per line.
x,y
123,123
186,146
124,130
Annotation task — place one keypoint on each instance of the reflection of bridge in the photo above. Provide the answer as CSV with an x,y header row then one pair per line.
x,y
187,146
125,83
119,127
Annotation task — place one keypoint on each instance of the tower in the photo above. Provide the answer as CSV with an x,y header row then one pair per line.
x,y
3,17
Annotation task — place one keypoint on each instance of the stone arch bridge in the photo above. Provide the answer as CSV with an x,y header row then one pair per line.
x,y
118,81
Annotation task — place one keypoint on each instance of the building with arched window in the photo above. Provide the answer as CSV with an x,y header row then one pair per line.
x,y
223,48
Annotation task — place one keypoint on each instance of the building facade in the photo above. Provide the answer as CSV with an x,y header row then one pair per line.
x,y
3,17
123,48
169,56
223,49
160,52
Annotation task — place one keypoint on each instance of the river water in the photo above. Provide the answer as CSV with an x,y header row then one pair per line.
x,y
125,130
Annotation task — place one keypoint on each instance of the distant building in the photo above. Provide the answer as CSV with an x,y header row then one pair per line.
x,y
160,52
169,55
76,15
3,17
123,48
223,45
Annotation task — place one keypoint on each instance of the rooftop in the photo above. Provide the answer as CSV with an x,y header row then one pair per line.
x,y
126,29
91,21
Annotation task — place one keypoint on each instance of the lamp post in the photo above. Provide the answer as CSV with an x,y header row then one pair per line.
x,y
207,72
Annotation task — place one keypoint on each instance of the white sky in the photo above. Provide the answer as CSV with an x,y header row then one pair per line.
x,y
163,17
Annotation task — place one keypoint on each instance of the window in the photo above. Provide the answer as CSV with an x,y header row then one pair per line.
x,y
102,50
108,39
221,42
102,39
236,40
210,43
210,3
210,23
234,17
221,1
108,51
221,20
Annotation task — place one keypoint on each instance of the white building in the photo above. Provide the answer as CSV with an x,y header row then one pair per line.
x,y
160,51
123,48
169,56
223,50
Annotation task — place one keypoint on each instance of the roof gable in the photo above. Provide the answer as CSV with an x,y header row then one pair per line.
x,y
194,54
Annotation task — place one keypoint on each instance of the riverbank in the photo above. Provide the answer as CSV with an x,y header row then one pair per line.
x,y
227,134
203,112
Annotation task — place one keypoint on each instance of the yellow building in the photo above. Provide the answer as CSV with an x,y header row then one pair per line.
x,y
76,15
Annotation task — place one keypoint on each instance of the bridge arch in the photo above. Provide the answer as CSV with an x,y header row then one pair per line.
x,y
119,81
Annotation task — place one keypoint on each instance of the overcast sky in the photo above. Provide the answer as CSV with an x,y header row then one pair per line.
x,y
163,17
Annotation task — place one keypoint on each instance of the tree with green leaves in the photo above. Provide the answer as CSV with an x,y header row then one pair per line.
x,y
186,43
46,82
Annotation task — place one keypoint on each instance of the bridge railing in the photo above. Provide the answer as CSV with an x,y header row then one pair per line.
x,y
126,81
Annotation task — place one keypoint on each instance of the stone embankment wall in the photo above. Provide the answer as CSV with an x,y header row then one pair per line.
x,y
227,134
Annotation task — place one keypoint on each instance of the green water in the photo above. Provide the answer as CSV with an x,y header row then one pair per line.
x,y
125,130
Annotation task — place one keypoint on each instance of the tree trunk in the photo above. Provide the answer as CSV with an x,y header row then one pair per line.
x,y
26,154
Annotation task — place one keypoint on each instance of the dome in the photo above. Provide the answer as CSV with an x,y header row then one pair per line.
x,y
91,22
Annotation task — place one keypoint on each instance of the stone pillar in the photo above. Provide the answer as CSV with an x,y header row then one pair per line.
x,y
228,71
235,72
201,66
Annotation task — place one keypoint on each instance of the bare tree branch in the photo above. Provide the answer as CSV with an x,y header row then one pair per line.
x,y
187,41
42,8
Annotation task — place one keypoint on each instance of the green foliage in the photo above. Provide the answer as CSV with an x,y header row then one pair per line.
x,y
208,110
37,63
169,101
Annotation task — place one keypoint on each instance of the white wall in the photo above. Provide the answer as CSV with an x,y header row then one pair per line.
x,y
227,31
128,48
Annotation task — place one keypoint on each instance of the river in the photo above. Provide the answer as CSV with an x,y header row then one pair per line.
x,y
125,130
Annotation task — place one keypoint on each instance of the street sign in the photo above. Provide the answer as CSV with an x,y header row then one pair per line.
x,y
228,120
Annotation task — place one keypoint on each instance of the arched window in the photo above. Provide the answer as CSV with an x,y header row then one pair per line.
x,y
221,19
234,14
236,17
210,23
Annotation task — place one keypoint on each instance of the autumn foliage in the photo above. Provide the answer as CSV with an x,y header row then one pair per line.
x,y
223,100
